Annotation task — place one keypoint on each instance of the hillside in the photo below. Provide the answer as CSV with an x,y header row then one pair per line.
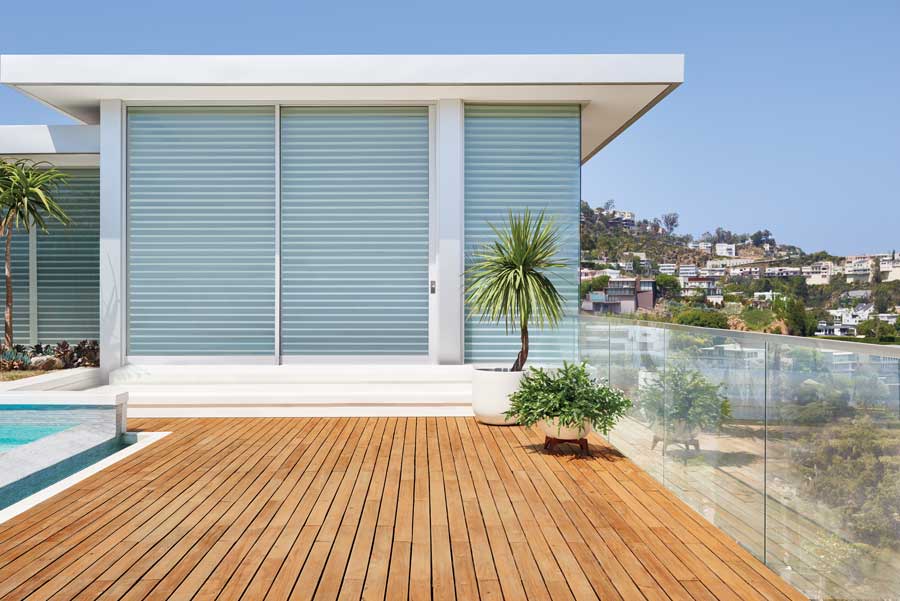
x,y
608,243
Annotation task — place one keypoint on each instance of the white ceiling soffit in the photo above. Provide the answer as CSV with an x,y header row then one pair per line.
x,y
614,90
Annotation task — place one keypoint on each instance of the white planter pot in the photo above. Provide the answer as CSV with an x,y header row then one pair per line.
x,y
552,429
490,395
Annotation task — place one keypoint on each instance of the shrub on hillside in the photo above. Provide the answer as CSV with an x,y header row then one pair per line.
x,y
703,318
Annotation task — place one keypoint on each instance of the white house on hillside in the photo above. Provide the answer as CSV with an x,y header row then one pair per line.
x,y
725,250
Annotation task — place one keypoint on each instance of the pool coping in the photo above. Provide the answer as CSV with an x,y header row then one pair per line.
x,y
141,441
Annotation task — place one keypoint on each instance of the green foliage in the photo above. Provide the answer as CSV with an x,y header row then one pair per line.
x,y
703,318
593,284
757,319
798,320
668,286
508,280
568,394
852,467
877,329
27,200
886,295
682,396
27,195
760,237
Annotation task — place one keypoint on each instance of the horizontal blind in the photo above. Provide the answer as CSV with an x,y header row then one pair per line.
x,y
68,263
201,230
20,286
518,157
354,230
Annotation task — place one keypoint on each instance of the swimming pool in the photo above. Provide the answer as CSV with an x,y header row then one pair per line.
x,y
17,434
48,436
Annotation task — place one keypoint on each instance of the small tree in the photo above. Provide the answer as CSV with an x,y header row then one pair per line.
x,y
592,285
668,286
508,279
670,221
27,200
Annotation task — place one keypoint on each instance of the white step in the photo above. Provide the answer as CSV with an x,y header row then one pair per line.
x,y
294,391
272,374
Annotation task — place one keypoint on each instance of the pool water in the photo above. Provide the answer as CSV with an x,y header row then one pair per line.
x,y
17,434
43,444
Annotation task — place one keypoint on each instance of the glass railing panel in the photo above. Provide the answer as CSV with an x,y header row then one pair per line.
x,y
626,354
833,468
711,401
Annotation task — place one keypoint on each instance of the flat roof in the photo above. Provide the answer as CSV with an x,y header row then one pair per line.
x,y
63,145
613,89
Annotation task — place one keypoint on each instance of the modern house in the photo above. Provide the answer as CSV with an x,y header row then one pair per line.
x,y
725,250
708,287
286,236
667,268
232,209
622,295
688,271
701,246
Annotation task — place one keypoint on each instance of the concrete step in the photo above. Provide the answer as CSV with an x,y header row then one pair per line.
x,y
272,374
294,391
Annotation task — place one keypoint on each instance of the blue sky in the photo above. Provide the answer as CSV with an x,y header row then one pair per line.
x,y
788,118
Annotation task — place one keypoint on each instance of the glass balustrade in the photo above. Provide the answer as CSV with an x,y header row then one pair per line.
x,y
789,445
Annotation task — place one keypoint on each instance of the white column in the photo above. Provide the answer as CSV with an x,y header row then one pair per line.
x,y
450,260
112,235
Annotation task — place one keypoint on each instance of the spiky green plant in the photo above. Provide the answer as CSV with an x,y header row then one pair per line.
x,y
27,200
508,280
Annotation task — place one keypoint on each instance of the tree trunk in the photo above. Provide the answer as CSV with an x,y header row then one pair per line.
x,y
8,337
523,353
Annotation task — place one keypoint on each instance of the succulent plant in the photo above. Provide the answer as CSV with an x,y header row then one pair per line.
x,y
41,349
11,360
87,353
65,353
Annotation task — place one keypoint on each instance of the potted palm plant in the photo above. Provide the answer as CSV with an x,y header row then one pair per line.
x,y
567,403
508,281
26,201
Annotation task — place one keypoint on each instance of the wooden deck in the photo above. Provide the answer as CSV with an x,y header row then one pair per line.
x,y
388,508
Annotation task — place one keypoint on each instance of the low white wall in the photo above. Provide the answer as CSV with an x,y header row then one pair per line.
x,y
78,378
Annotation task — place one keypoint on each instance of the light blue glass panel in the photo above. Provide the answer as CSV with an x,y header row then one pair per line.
x,y
68,264
354,230
517,157
201,231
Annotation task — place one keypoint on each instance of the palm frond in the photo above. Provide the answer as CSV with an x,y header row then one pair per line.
x,y
508,280
27,194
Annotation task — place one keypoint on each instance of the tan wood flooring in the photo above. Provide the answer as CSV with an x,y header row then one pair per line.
x,y
370,508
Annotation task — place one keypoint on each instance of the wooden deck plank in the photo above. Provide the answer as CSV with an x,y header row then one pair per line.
x,y
370,508
96,531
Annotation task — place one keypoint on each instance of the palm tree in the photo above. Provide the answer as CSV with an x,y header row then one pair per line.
x,y
26,200
508,279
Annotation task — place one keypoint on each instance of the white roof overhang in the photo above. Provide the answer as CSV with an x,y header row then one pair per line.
x,y
63,145
613,89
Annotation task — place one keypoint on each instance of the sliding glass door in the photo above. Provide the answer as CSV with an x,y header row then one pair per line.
x,y
201,231
220,203
354,231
